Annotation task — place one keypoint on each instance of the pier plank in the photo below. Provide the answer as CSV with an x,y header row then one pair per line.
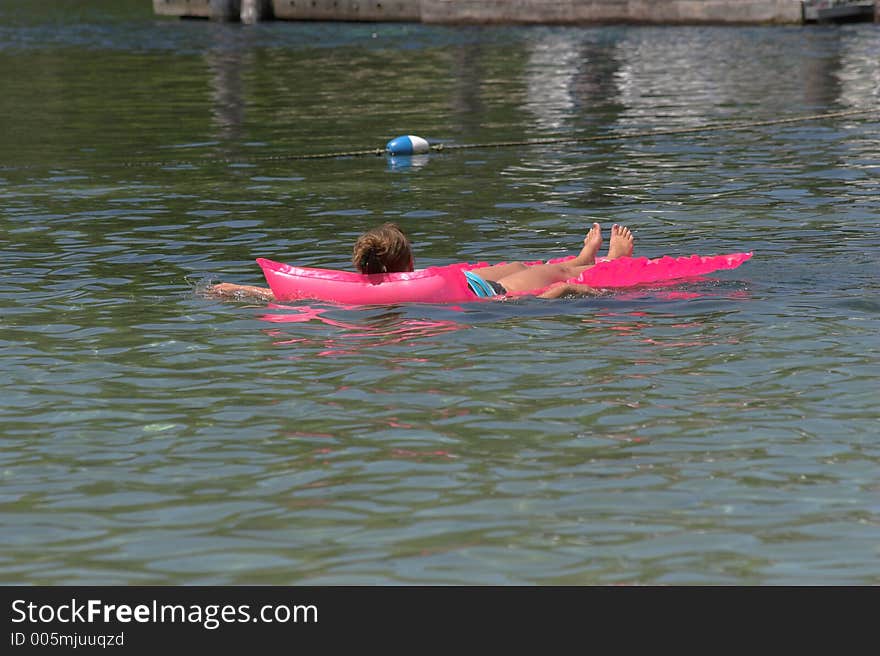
x,y
349,10
567,12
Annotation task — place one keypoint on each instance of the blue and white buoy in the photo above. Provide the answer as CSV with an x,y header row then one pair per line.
x,y
407,145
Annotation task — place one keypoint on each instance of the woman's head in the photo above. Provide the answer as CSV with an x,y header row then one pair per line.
x,y
383,250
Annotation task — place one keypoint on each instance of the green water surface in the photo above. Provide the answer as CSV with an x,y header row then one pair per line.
x,y
718,431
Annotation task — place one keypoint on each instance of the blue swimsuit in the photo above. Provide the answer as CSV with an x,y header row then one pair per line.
x,y
483,288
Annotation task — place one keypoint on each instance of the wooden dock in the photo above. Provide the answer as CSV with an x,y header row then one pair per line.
x,y
565,12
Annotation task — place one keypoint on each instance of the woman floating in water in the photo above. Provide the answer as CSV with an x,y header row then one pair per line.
x,y
387,249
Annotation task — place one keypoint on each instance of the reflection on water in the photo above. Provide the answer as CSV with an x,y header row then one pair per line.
x,y
352,337
407,162
356,336
717,430
227,92
565,74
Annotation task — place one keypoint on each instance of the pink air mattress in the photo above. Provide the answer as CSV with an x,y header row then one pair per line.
x,y
447,284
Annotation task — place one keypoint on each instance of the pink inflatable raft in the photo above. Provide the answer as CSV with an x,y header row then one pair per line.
x,y
447,284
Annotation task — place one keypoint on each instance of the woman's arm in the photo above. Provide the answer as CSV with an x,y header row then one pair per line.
x,y
570,289
240,292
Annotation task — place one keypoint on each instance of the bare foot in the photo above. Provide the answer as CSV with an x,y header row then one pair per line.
x,y
621,244
592,242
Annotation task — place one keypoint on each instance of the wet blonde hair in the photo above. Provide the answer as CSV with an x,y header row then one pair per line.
x,y
383,250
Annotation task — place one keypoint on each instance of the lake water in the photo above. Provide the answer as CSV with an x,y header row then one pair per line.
x,y
718,431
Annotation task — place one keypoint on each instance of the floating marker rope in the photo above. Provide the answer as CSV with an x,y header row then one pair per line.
x,y
539,141
656,133
563,140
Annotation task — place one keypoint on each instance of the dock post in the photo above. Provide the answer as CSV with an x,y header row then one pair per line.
x,y
224,10
254,11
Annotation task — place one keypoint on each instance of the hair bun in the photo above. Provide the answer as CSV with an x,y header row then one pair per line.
x,y
382,250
